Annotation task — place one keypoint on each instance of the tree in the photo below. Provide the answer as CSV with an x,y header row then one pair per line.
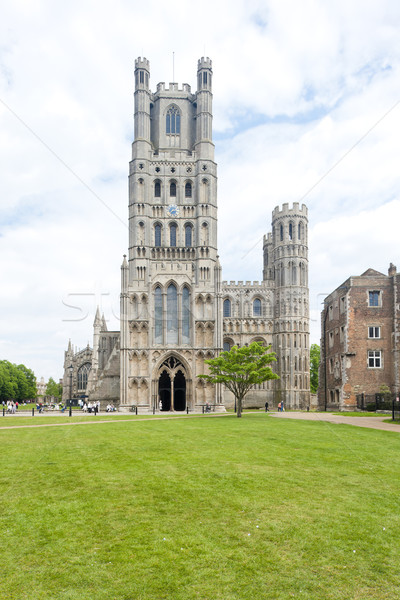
x,y
240,369
53,389
315,355
17,382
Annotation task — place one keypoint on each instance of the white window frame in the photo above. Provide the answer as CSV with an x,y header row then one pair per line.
x,y
374,359
374,332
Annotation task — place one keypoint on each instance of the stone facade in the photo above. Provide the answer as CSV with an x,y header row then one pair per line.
x,y
176,312
360,339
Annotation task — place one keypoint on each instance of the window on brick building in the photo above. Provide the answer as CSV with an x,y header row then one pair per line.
x,y
374,359
374,298
342,304
331,338
331,312
374,332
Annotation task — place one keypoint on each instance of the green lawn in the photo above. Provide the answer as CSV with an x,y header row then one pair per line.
x,y
205,508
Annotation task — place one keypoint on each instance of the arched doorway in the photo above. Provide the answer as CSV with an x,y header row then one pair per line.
x,y
164,391
172,385
179,391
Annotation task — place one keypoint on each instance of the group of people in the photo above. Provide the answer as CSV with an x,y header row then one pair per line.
x,y
91,407
110,407
281,407
12,406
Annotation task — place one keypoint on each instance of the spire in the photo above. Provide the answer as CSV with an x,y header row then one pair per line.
x,y
97,318
103,323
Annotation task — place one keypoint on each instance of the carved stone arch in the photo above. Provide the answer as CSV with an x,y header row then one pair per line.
x,y
259,339
156,355
132,382
171,281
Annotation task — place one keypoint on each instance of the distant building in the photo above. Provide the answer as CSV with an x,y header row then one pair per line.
x,y
41,387
360,343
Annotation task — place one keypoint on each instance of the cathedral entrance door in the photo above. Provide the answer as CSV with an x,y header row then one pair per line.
x,y
179,391
172,385
164,391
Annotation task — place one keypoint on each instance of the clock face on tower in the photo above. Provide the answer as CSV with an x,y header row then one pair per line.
x,y
173,210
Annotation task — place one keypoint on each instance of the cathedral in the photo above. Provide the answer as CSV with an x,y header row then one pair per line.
x,y
176,311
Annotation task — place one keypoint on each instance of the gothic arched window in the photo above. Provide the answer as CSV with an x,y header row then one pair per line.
x,y
158,316
185,316
173,121
227,345
83,373
172,234
281,233
204,234
227,307
172,189
188,190
290,231
257,308
300,231
172,314
188,235
157,189
157,235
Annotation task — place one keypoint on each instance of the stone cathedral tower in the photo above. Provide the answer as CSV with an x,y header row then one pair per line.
x,y
171,282
176,312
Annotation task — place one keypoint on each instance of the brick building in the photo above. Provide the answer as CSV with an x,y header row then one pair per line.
x,y
360,339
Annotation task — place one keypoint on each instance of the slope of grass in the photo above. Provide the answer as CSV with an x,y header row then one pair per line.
x,y
200,508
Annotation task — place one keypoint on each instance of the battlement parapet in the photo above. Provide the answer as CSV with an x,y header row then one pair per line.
x,y
142,63
246,284
267,239
173,88
286,211
204,63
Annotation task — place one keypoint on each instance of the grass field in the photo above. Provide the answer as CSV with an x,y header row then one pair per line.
x,y
200,508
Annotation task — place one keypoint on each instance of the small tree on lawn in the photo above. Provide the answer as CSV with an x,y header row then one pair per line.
x,y
241,368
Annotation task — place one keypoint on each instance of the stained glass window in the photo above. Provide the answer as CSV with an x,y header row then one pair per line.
x,y
172,315
158,315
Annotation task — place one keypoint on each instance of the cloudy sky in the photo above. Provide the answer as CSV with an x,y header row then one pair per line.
x,y
306,108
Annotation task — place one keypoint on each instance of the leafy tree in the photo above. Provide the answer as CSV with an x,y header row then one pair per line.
x,y
315,356
53,388
240,369
17,382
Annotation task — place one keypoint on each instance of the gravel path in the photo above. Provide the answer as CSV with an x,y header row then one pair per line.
x,y
370,422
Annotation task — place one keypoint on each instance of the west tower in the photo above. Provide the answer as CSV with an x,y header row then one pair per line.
x,y
175,310
170,298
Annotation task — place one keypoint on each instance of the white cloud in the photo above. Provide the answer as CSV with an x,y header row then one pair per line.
x,y
296,86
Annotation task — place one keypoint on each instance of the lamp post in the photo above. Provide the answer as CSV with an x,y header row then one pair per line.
x,y
70,369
